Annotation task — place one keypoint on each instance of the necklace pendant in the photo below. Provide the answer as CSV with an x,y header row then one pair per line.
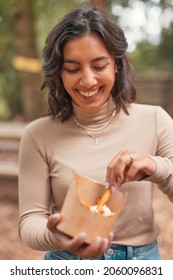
x,y
96,141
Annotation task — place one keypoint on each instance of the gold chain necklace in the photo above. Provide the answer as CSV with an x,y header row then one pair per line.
x,y
99,129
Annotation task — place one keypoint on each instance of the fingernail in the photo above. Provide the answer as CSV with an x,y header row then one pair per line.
x,y
105,244
97,240
118,180
127,180
82,236
106,185
111,235
112,189
55,216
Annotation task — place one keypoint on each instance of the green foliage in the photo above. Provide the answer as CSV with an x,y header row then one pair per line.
x,y
145,57
5,113
165,49
148,57
9,81
48,13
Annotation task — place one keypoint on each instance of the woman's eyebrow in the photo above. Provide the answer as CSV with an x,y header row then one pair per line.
x,y
71,61
102,57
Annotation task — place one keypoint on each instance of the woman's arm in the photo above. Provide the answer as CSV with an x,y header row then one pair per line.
x,y
34,194
163,159
133,166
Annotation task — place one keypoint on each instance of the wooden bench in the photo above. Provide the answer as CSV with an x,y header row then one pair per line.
x,y
11,130
10,135
8,170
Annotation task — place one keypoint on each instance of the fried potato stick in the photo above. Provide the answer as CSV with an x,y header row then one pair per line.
x,y
99,201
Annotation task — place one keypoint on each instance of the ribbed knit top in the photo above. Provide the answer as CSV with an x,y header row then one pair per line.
x,y
50,151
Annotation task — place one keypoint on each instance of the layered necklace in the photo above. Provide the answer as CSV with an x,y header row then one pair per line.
x,y
89,130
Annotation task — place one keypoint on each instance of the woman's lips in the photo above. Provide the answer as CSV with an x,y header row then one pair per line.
x,y
89,93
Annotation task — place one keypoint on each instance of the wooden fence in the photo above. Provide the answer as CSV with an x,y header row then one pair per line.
x,y
156,90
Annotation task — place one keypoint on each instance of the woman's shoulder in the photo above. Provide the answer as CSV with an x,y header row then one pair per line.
x,y
143,109
41,126
149,112
42,121
38,123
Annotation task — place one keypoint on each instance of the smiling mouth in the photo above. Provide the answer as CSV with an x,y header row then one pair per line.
x,y
89,93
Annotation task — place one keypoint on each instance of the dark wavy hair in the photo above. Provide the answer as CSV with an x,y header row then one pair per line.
x,y
76,23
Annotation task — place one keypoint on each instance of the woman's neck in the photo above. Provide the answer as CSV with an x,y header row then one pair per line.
x,y
97,117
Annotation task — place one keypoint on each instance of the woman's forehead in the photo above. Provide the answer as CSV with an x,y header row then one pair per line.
x,y
89,45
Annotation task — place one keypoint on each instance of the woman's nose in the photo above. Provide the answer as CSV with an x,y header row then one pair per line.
x,y
88,79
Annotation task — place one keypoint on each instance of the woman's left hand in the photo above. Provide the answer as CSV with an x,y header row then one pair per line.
x,y
128,166
77,244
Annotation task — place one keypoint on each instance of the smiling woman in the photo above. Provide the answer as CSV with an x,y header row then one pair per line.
x,y
91,96
75,52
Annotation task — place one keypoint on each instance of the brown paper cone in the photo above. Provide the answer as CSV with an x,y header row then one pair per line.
x,y
76,218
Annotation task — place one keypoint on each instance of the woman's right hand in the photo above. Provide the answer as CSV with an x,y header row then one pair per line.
x,y
77,244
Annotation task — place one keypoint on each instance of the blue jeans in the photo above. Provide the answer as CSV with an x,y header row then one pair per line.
x,y
115,252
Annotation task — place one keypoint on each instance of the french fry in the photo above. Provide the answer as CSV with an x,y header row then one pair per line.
x,y
103,200
100,201
85,204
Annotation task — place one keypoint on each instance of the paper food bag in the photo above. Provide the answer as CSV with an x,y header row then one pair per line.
x,y
76,218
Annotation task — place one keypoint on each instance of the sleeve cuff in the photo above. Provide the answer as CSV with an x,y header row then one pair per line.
x,y
162,170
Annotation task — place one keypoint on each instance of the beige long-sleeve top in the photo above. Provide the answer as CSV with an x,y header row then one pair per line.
x,y
50,151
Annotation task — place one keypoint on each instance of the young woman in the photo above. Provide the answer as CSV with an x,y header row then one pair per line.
x,y
95,128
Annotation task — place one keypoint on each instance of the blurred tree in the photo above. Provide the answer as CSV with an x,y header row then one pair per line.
x,y
99,4
155,58
10,100
24,26
145,57
47,14
165,49
150,55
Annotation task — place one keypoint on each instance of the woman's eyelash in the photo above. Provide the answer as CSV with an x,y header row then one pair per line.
x,y
72,70
100,67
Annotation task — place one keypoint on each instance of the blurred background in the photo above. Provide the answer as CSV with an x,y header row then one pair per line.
x,y
24,25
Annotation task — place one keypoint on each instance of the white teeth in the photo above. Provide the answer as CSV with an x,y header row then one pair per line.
x,y
88,93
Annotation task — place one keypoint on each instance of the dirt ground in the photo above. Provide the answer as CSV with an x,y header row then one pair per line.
x,y
12,248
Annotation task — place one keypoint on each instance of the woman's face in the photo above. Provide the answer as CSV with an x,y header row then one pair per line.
x,y
88,71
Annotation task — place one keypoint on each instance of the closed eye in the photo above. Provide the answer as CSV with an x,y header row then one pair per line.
x,y
100,68
72,71
97,68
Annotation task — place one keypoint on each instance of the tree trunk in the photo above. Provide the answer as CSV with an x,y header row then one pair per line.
x,y
99,4
33,101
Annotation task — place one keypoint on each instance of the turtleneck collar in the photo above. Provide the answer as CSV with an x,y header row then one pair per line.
x,y
97,117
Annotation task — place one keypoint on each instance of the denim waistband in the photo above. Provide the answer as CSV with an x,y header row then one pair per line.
x,y
148,251
115,252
